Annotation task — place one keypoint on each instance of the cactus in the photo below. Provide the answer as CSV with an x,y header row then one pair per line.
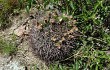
x,y
54,42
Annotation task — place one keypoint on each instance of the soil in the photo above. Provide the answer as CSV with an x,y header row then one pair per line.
x,y
23,59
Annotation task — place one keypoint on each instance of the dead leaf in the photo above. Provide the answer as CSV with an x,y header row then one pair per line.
x,y
53,39
70,36
71,31
38,25
62,40
52,21
58,45
20,30
46,33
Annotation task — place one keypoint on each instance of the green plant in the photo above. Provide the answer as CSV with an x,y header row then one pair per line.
x,y
34,67
7,7
95,39
95,36
3,13
7,47
86,58
27,4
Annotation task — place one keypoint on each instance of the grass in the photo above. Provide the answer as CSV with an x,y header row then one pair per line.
x,y
7,47
6,8
3,13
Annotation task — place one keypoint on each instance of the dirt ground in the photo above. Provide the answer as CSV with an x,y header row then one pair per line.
x,y
24,58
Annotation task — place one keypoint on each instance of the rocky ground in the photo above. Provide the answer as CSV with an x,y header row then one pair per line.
x,y
23,59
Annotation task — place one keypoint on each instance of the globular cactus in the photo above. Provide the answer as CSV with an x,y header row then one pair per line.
x,y
51,43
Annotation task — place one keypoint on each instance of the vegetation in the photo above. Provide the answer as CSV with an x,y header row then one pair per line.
x,y
92,22
7,47
4,7
95,35
7,7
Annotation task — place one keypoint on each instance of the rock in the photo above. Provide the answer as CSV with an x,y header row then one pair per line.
x,y
7,64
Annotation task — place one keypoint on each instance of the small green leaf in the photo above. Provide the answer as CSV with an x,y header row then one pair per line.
x,y
27,9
